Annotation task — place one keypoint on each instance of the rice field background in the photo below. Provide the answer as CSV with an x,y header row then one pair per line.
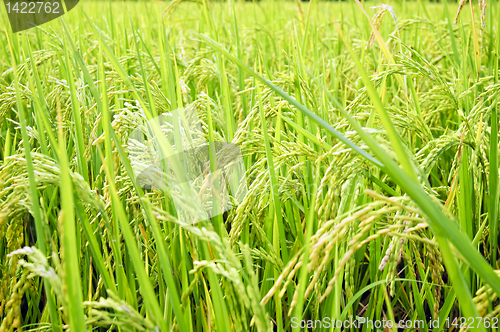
x,y
369,136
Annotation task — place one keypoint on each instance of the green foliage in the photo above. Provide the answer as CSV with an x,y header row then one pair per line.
x,y
371,148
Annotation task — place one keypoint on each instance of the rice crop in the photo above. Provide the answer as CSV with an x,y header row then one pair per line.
x,y
368,136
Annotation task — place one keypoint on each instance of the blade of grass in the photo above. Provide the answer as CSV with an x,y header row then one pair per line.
x,y
37,214
71,259
75,106
146,288
303,273
274,181
493,180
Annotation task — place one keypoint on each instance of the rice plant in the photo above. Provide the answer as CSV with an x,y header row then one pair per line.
x,y
367,137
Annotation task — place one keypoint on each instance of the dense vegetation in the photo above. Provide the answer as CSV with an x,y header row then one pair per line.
x,y
370,137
